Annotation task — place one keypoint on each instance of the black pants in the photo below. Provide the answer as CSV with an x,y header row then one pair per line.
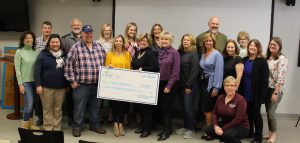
x,y
119,108
232,135
38,108
146,112
69,100
255,120
165,101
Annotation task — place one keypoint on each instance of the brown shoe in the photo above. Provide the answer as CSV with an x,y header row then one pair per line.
x,y
76,132
121,129
98,130
116,130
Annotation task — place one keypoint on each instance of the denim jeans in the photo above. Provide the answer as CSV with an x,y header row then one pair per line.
x,y
188,106
86,96
29,100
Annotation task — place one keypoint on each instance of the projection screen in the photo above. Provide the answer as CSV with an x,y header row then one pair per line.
x,y
191,16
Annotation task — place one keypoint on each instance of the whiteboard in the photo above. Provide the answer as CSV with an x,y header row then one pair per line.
x,y
191,16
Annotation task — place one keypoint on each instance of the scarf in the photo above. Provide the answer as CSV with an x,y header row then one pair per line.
x,y
59,61
163,53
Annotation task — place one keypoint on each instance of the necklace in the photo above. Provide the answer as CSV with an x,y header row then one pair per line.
x,y
141,55
227,99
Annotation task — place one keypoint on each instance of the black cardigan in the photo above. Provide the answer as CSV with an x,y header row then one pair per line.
x,y
148,62
260,77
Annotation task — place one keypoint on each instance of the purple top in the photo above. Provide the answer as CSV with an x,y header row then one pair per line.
x,y
169,63
234,113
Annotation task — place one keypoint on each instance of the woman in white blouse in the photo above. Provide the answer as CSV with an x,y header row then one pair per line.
x,y
106,37
277,72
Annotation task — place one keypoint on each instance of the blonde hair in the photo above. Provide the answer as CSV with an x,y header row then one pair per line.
x,y
147,36
242,34
229,79
102,31
130,24
167,35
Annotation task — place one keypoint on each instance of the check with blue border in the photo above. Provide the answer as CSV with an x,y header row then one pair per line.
x,y
128,85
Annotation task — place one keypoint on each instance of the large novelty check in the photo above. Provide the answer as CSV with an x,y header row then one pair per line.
x,y
128,85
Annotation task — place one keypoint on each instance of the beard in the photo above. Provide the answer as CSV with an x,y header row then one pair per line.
x,y
76,31
214,31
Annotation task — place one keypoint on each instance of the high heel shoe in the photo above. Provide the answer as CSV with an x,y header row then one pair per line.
x,y
116,130
121,130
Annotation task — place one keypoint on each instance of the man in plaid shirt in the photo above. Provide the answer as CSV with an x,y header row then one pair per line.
x,y
81,70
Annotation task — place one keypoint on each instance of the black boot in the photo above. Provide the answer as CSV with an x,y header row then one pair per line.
x,y
39,121
164,135
139,130
145,133
170,132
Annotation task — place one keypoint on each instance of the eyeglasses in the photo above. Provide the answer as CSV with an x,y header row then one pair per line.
x,y
230,85
274,44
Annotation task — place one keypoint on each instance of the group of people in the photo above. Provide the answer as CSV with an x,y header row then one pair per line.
x,y
232,81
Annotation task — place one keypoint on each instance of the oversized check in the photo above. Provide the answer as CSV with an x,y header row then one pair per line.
x,y
128,85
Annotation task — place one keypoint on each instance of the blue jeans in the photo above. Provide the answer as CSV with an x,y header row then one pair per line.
x,y
85,96
188,106
29,100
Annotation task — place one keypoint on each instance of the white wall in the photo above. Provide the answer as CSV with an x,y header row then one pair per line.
x,y
191,16
60,13
287,26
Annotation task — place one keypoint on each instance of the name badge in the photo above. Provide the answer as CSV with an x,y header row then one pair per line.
x,y
231,105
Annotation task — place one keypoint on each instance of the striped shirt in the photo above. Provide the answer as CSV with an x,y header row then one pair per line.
x,y
82,64
40,43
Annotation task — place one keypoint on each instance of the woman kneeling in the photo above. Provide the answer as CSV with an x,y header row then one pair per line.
x,y
230,121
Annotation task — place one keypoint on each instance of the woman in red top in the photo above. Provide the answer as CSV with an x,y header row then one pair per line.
x,y
231,109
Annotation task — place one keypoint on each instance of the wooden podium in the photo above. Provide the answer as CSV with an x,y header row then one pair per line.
x,y
9,59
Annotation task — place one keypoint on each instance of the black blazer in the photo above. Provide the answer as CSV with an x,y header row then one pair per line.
x,y
260,77
148,62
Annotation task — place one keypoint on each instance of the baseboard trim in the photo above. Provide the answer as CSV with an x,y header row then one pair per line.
x,y
282,115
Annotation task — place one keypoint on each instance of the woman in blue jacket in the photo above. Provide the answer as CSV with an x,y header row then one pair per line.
x,y
50,82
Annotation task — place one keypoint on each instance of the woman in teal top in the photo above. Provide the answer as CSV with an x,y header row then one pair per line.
x,y
24,65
